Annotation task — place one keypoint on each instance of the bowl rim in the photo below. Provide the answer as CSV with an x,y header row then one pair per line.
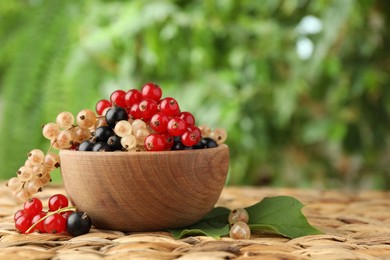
x,y
143,153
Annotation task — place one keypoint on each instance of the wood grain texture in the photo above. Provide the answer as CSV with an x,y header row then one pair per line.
x,y
145,191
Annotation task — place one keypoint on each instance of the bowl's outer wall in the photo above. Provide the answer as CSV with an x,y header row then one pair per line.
x,y
147,190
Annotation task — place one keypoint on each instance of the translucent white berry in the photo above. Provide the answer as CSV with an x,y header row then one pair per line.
x,y
219,135
14,184
65,120
24,173
123,128
80,134
237,215
52,160
129,142
204,130
138,124
33,186
38,170
86,118
22,195
240,230
65,139
36,156
50,131
141,135
100,121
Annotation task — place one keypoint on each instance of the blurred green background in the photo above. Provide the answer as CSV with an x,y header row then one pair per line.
x,y
302,87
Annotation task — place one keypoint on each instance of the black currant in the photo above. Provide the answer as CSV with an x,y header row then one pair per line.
x,y
210,143
78,223
86,146
200,145
115,143
102,133
178,145
101,147
205,142
116,114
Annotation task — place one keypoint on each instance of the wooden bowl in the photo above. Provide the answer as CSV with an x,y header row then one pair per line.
x,y
145,191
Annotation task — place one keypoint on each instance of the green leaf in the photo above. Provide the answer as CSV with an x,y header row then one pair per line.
x,y
280,215
276,215
215,224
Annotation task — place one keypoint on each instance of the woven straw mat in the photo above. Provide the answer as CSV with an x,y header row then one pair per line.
x,y
354,225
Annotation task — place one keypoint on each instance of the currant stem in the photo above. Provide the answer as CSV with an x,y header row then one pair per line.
x,y
70,208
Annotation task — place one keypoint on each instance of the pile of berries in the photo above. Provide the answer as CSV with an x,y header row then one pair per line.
x,y
34,174
238,219
60,217
143,120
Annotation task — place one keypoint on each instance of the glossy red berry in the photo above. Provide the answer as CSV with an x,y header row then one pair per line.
x,y
147,108
151,91
66,214
169,106
18,213
132,96
169,141
33,206
102,105
118,98
155,142
58,201
159,122
187,117
176,126
23,223
40,226
191,136
134,111
55,224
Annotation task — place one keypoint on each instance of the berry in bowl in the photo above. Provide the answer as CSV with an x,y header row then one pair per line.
x,y
139,163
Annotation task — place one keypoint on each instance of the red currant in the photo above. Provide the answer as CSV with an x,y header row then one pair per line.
x,y
33,206
187,117
155,142
169,106
191,136
55,224
66,214
151,91
132,96
18,213
176,126
23,223
134,111
118,98
159,122
169,140
40,226
147,107
57,201
102,105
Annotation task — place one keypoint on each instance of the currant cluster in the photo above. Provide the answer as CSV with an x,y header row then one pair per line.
x,y
60,217
238,219
136,120
33,175
68,132
143,120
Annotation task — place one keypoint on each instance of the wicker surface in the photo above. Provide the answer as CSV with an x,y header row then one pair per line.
x,y
355,226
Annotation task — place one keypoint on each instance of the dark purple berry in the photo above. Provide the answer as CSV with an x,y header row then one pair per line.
x,y
116,114
86,146
78,223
